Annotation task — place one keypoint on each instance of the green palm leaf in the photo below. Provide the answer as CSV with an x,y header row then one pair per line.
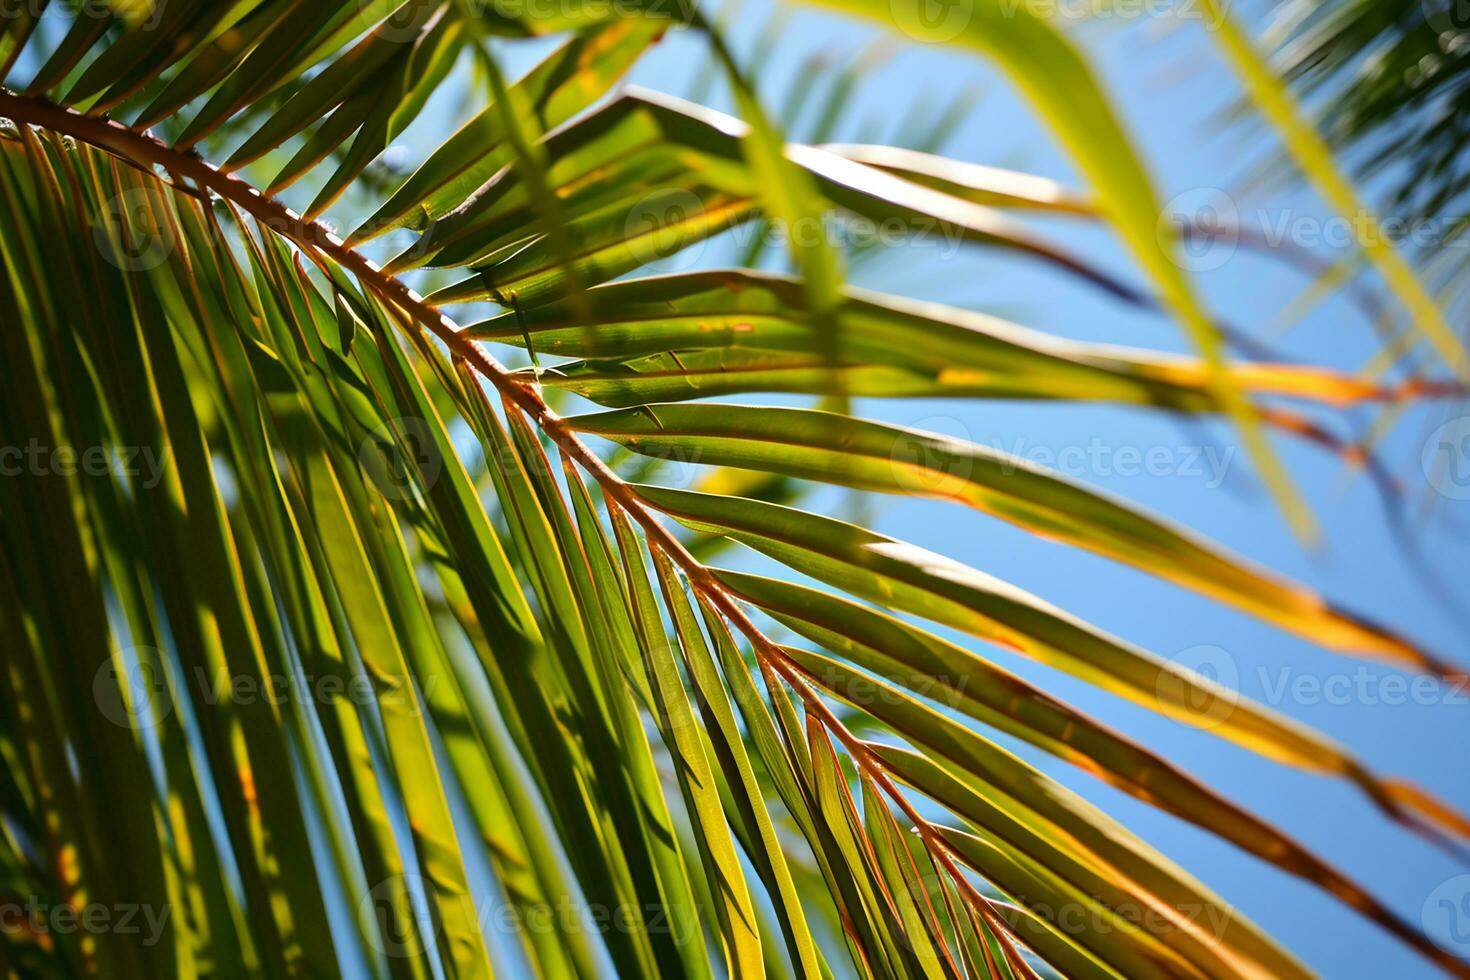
x,y
367,664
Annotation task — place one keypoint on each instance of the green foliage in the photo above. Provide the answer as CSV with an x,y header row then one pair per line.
x,y
1390,81
340,652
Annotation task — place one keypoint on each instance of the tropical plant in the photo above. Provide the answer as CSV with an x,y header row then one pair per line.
x,y
1387,85
1391,83
340,640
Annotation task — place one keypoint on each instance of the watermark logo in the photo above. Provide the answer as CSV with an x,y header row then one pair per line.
x,y
668,228
130,689
1445,915
1200,229
935,459
381,915
1446,459
1203,681
402,26
932,21
131,234
399,455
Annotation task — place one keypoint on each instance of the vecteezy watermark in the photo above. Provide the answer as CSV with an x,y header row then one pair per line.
x,y
1445,915
1207,463
941,21
133,689
1362,228
943,453
401,24
400,455
1099,917
564,12
1205,680
861,691
1361,685
1207,12
1446,459
669,229
1204,227
143,15
681,466
36,459
396,916
843,229
38,917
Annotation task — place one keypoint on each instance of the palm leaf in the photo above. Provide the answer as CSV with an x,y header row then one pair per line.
x,y
376,646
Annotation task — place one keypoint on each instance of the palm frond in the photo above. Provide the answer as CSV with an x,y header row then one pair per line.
x,y
346,647
1387,75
